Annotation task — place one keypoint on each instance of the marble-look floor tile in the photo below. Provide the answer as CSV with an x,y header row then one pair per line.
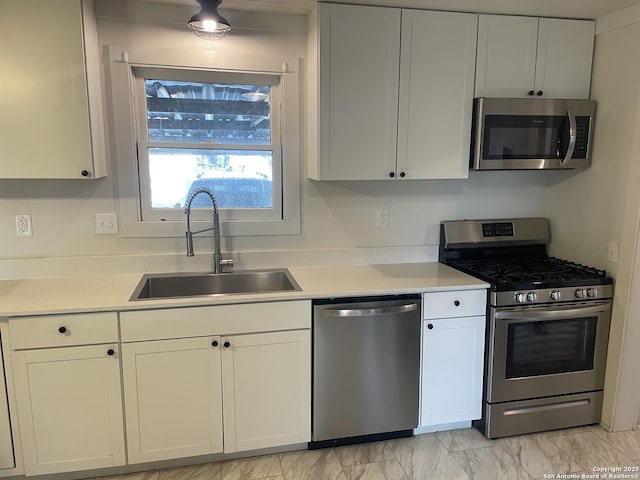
x,y
207,471
490,463
424,457
570,431
251,468
153,475
538,455
589,450
320,464
364,453
389,470
628,442
464,439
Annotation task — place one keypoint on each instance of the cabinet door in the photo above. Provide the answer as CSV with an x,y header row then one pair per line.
x,y
45,123
7,459
69,408
452,368
173,398
359,51
267,390
506,59
565,54
436,94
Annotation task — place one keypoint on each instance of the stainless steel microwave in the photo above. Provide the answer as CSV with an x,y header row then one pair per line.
x,y
531,134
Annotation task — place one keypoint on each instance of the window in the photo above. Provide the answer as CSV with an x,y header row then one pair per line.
x,y
234,129
208,129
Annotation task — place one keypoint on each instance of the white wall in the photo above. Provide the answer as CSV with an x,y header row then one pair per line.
x,y
335,215
602,204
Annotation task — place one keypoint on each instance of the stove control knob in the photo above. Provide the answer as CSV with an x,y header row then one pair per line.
x,y
532,297
520,298
592,292
556,295
581,293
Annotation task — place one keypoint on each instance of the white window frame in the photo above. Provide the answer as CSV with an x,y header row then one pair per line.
x,y
275,148
125,136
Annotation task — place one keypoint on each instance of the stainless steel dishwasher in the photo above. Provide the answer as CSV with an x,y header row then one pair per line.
x,y
366,369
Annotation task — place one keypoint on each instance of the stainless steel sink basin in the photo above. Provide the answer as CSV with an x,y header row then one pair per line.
x,y
177,285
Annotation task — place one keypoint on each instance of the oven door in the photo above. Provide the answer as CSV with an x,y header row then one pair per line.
x,y
547,350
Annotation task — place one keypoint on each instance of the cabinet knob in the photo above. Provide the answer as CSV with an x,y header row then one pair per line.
x,y
392,174
430,326
85,173
226,344
456,303
111,352
531,92
539,93
62,330
402,174
214,343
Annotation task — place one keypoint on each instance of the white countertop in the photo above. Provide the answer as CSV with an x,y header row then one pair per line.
x,y
112,292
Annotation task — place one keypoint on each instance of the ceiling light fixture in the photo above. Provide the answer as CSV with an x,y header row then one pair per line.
x,y
208,23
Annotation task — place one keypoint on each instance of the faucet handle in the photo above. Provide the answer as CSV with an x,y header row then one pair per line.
x,y
226,265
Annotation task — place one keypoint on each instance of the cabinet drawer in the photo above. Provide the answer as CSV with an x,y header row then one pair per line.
x,y
63,330
456,303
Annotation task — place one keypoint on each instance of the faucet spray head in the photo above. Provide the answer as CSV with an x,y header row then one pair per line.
x,y
189,236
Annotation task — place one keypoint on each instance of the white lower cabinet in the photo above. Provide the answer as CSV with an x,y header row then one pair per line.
x,y
266,385
452,362
452,356
205,395
173,398
69,408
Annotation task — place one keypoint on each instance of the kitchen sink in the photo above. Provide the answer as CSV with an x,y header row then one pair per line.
x,y
180,285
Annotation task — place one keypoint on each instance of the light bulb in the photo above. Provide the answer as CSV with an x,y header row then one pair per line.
x,y
209,25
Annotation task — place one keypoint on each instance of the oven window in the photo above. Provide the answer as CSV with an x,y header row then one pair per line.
x,y
544,348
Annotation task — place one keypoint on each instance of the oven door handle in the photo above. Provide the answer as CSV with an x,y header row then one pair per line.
x,y
555,314
572,138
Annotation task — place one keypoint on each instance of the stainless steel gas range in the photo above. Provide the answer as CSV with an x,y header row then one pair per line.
x,y
548,325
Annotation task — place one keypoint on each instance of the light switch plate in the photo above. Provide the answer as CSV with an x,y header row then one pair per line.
x,y
106,223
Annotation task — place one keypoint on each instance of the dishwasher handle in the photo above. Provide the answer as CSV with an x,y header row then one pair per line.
x,y
368,312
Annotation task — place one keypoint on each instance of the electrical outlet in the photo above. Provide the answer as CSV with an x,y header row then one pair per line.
x,y
612,254
23,226
106,223
382,218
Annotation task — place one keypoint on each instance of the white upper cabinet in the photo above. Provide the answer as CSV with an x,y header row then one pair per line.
x,y
51,124
527,56
386,111
436,94
565,55
359,57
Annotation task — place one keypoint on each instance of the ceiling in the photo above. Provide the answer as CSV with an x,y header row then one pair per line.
x,y
545,8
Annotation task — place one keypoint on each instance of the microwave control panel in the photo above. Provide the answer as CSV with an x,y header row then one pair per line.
x,y
582,137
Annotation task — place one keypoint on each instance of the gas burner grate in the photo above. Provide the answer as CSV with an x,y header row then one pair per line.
x,y
529,270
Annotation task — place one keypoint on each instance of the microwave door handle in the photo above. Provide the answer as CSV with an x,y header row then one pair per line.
x,y
572,138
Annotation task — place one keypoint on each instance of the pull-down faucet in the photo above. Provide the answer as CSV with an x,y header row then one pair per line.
x,y
218,263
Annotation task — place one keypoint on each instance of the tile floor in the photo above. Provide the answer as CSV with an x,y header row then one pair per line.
x,y
452,455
